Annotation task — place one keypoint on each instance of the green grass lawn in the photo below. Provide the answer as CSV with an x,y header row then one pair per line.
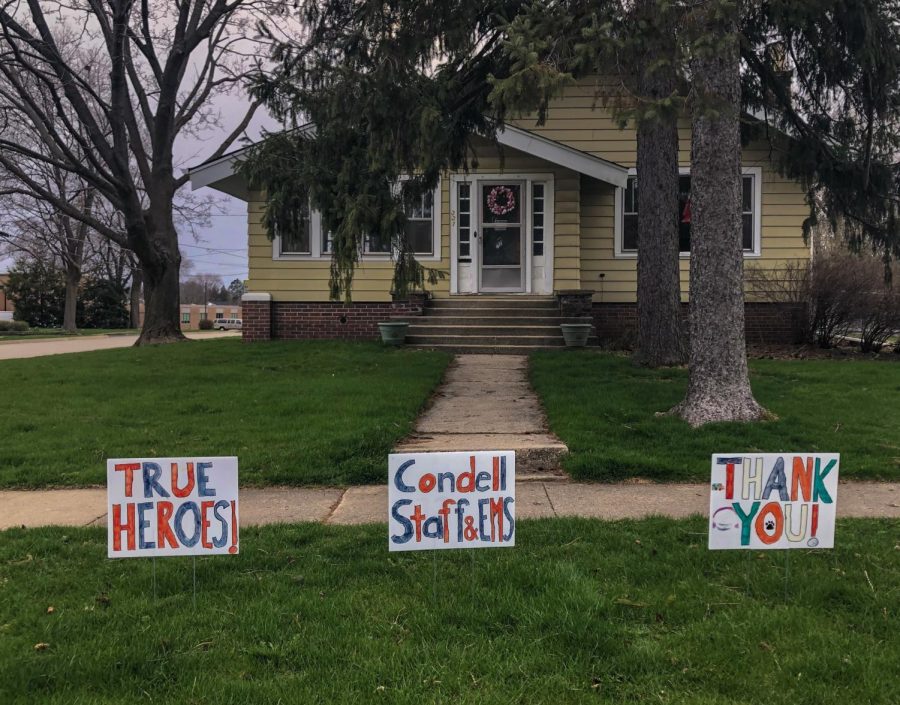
x,y
604,409
293,412
578,612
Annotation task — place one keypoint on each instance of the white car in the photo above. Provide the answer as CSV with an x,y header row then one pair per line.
x,y
227,324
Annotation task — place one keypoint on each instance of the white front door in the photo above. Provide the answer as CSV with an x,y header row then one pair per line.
x,y
502,234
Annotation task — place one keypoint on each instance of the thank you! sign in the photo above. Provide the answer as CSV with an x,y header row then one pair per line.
x,y
773,500
172,506
451,500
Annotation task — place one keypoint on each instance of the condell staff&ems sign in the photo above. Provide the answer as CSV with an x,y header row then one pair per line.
x,y
451,500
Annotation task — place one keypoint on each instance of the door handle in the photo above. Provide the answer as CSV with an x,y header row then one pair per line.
x,y
475,233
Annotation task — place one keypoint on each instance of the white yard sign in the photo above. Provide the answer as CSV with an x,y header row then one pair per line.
x,y
773,500
172,506
451,500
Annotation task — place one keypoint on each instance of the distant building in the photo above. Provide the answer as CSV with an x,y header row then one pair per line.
x,y
6,306
192,314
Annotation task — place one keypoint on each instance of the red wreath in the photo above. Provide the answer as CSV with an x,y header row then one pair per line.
x,y
501,200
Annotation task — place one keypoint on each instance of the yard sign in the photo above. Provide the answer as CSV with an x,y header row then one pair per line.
x,y
773,500
451,500
172,506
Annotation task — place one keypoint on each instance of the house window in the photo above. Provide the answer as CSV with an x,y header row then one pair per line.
x,y
626,237
464,210
297,241
185,318
219,316
537,220
419,229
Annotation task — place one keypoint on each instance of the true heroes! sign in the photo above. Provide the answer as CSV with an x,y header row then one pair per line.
x,y
172,506
451,500
773,500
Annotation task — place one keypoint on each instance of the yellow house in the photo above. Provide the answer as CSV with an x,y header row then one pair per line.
x,y
543,231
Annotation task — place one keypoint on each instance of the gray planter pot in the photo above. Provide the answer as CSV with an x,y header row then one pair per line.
x,y
393,332
575,334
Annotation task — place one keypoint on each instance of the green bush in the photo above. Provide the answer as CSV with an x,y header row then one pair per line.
x,y
14,327
206,324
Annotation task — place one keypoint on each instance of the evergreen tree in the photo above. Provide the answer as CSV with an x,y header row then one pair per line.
x,y
38,292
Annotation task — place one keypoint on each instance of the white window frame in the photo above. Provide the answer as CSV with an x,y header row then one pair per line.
x,y
317,252
754,171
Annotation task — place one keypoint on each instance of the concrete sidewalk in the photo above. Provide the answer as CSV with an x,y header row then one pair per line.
x,y
364,505
18,349
486,403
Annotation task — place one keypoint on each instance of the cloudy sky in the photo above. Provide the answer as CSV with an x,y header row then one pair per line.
x,y
221,248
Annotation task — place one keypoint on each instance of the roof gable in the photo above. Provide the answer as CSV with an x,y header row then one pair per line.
x,y
221,174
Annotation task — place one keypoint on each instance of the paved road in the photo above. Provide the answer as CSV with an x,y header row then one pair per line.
x,y
15,349
368,504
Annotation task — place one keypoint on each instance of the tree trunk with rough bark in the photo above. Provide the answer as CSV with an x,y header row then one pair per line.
x,y
160,262
660,333
70,308
718,383
135,297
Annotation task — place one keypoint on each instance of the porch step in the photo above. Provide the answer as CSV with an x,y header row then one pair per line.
x,y
490,349
490,324
442,320
491,302
487,338
442,328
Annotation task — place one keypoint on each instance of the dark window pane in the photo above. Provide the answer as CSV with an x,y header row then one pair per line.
x,y
419,234
464,220
685,213
464,249
631,195
297,242
684,237
747,194
378,244
629,233
538,220
501,246
539,249
748,231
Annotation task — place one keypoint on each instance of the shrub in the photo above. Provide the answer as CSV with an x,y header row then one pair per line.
x,y
842,293
206,324
14,327
879,319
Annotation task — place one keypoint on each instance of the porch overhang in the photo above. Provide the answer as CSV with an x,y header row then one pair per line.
x,y
221,174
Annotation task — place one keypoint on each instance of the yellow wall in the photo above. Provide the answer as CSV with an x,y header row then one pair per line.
x,y
583,215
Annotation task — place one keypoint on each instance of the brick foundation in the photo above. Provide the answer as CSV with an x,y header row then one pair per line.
x,y
769,323
298,320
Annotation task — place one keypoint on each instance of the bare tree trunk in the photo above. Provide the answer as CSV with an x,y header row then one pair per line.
x,y
161,267
136,283
719,384
70,309
660,334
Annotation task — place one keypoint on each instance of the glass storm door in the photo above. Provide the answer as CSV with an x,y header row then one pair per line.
x,y
502,225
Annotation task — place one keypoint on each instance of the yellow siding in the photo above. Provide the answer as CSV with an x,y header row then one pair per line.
x,y
584,217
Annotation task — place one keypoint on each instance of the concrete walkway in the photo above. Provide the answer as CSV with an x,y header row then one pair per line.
x,y
15,349
364,505
486,403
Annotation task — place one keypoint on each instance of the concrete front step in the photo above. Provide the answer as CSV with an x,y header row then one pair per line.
x,y
429,328
486,339
538,455
462,349
443,320
491,303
